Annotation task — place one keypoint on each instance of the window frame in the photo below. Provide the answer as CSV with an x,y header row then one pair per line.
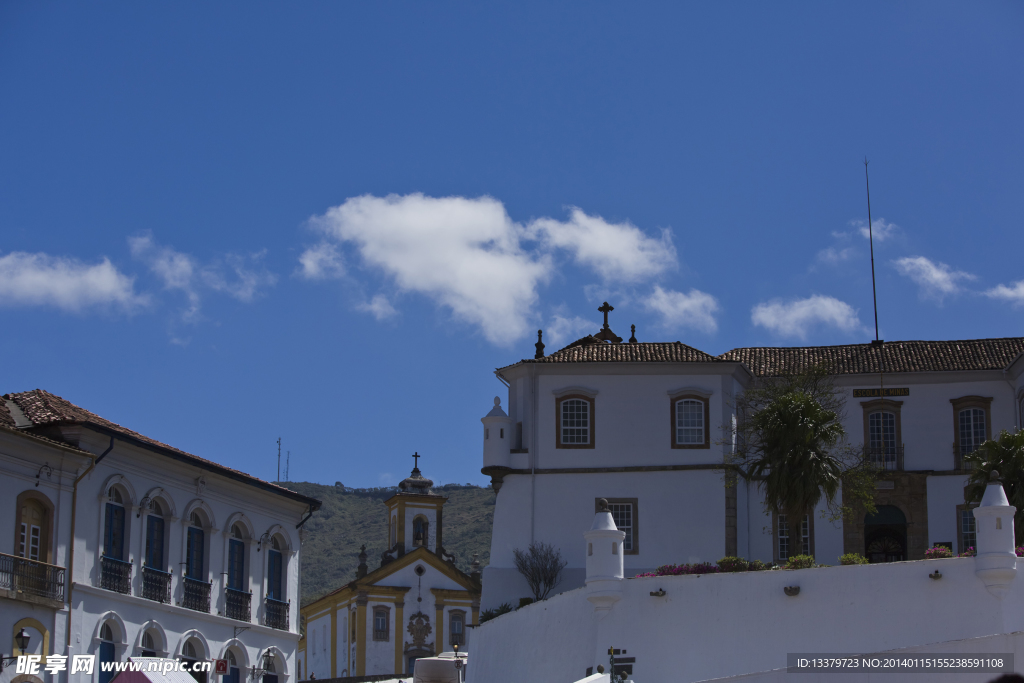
x,y
883,405
635,550
459,614
960,509
385,635
45,530
964,403
675,399
591,402
776,555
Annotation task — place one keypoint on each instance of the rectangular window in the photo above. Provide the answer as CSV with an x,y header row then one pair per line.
x,y
788,543
882,438
236,565
622,513
968,530
28,545
972,430
113,542
274,576
690,422
155,542
455,623
195,551
381,624
575,421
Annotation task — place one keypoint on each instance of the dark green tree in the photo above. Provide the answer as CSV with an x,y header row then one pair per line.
x,y
1006,455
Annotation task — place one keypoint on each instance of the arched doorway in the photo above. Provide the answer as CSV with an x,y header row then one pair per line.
x,y
885,535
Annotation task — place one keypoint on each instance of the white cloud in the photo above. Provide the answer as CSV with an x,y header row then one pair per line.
x,y
616,251
936,280
65,283
694,309
796,318
879,228
1013,293
379,307
468,255
182,272
322,262
463,253
833,256
563,329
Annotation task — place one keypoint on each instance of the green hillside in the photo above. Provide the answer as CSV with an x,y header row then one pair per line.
x,y
351,517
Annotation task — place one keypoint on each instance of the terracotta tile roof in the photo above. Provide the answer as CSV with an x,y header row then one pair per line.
x,y
44,408
896,356
592,350
5,416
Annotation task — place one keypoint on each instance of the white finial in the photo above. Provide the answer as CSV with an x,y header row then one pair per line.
x,y
497,400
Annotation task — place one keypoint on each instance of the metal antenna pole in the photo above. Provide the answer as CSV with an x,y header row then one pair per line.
x,y
278,458
871,243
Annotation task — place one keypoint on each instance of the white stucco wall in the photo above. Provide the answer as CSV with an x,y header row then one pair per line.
x,y
720,625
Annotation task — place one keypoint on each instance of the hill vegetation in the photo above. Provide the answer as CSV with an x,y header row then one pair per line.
x,y
351,517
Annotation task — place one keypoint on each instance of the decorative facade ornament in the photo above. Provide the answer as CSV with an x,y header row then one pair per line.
x,y
419,628
200,485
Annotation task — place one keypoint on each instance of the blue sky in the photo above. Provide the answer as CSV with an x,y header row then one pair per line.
x,y
329,222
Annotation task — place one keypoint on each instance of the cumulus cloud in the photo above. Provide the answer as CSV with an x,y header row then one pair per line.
x,y
616,251
469,256
796,318
184,273
321,262
693,309
463,253
880,229
936,280
65,283
832,256
1014,293
564,329
379,307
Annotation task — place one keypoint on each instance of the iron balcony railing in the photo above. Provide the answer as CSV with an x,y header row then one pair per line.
x,y
156,585
196,595
31,577
457,639
886,457
239,604
277,614
115,575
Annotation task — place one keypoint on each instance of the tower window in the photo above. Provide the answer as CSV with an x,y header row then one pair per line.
x,y
690,422
574,422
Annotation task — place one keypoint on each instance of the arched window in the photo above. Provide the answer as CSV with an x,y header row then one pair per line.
x,y
108,652
237,577
394,532
31,543
234,672
195,550
193,652
271,674
689,422
155,538
275,572
148,645
113,539
420,531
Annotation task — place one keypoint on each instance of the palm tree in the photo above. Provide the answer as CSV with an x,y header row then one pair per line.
x,y
1006,455
795,436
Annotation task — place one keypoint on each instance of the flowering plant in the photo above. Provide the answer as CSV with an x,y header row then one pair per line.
x,y
937,553
970,552
1020,550
680,569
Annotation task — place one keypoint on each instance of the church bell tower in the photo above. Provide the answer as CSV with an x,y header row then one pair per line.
x,y
414,516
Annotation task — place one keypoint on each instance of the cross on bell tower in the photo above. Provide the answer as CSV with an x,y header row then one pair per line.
x,y
416,461
606,333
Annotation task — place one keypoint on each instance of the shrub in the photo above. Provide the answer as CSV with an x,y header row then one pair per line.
x,y
1020,550
800,562
541,565
733,564
970,552
681,569
937,553
489,614
853,558
756,566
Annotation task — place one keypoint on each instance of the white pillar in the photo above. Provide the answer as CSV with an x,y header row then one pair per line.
x,y
996,561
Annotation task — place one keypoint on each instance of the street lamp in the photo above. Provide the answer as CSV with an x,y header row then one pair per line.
x,y
458,662
267,662
21,640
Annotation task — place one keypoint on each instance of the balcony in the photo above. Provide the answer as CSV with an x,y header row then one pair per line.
x,y
115,575
31,580
196,595
239,605
277,614
156,585
886,457
457,639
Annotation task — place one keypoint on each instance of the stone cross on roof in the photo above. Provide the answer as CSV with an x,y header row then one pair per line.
x,y
606,333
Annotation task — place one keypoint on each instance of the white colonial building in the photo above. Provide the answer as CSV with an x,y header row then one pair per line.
x,y
648,426
142,549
